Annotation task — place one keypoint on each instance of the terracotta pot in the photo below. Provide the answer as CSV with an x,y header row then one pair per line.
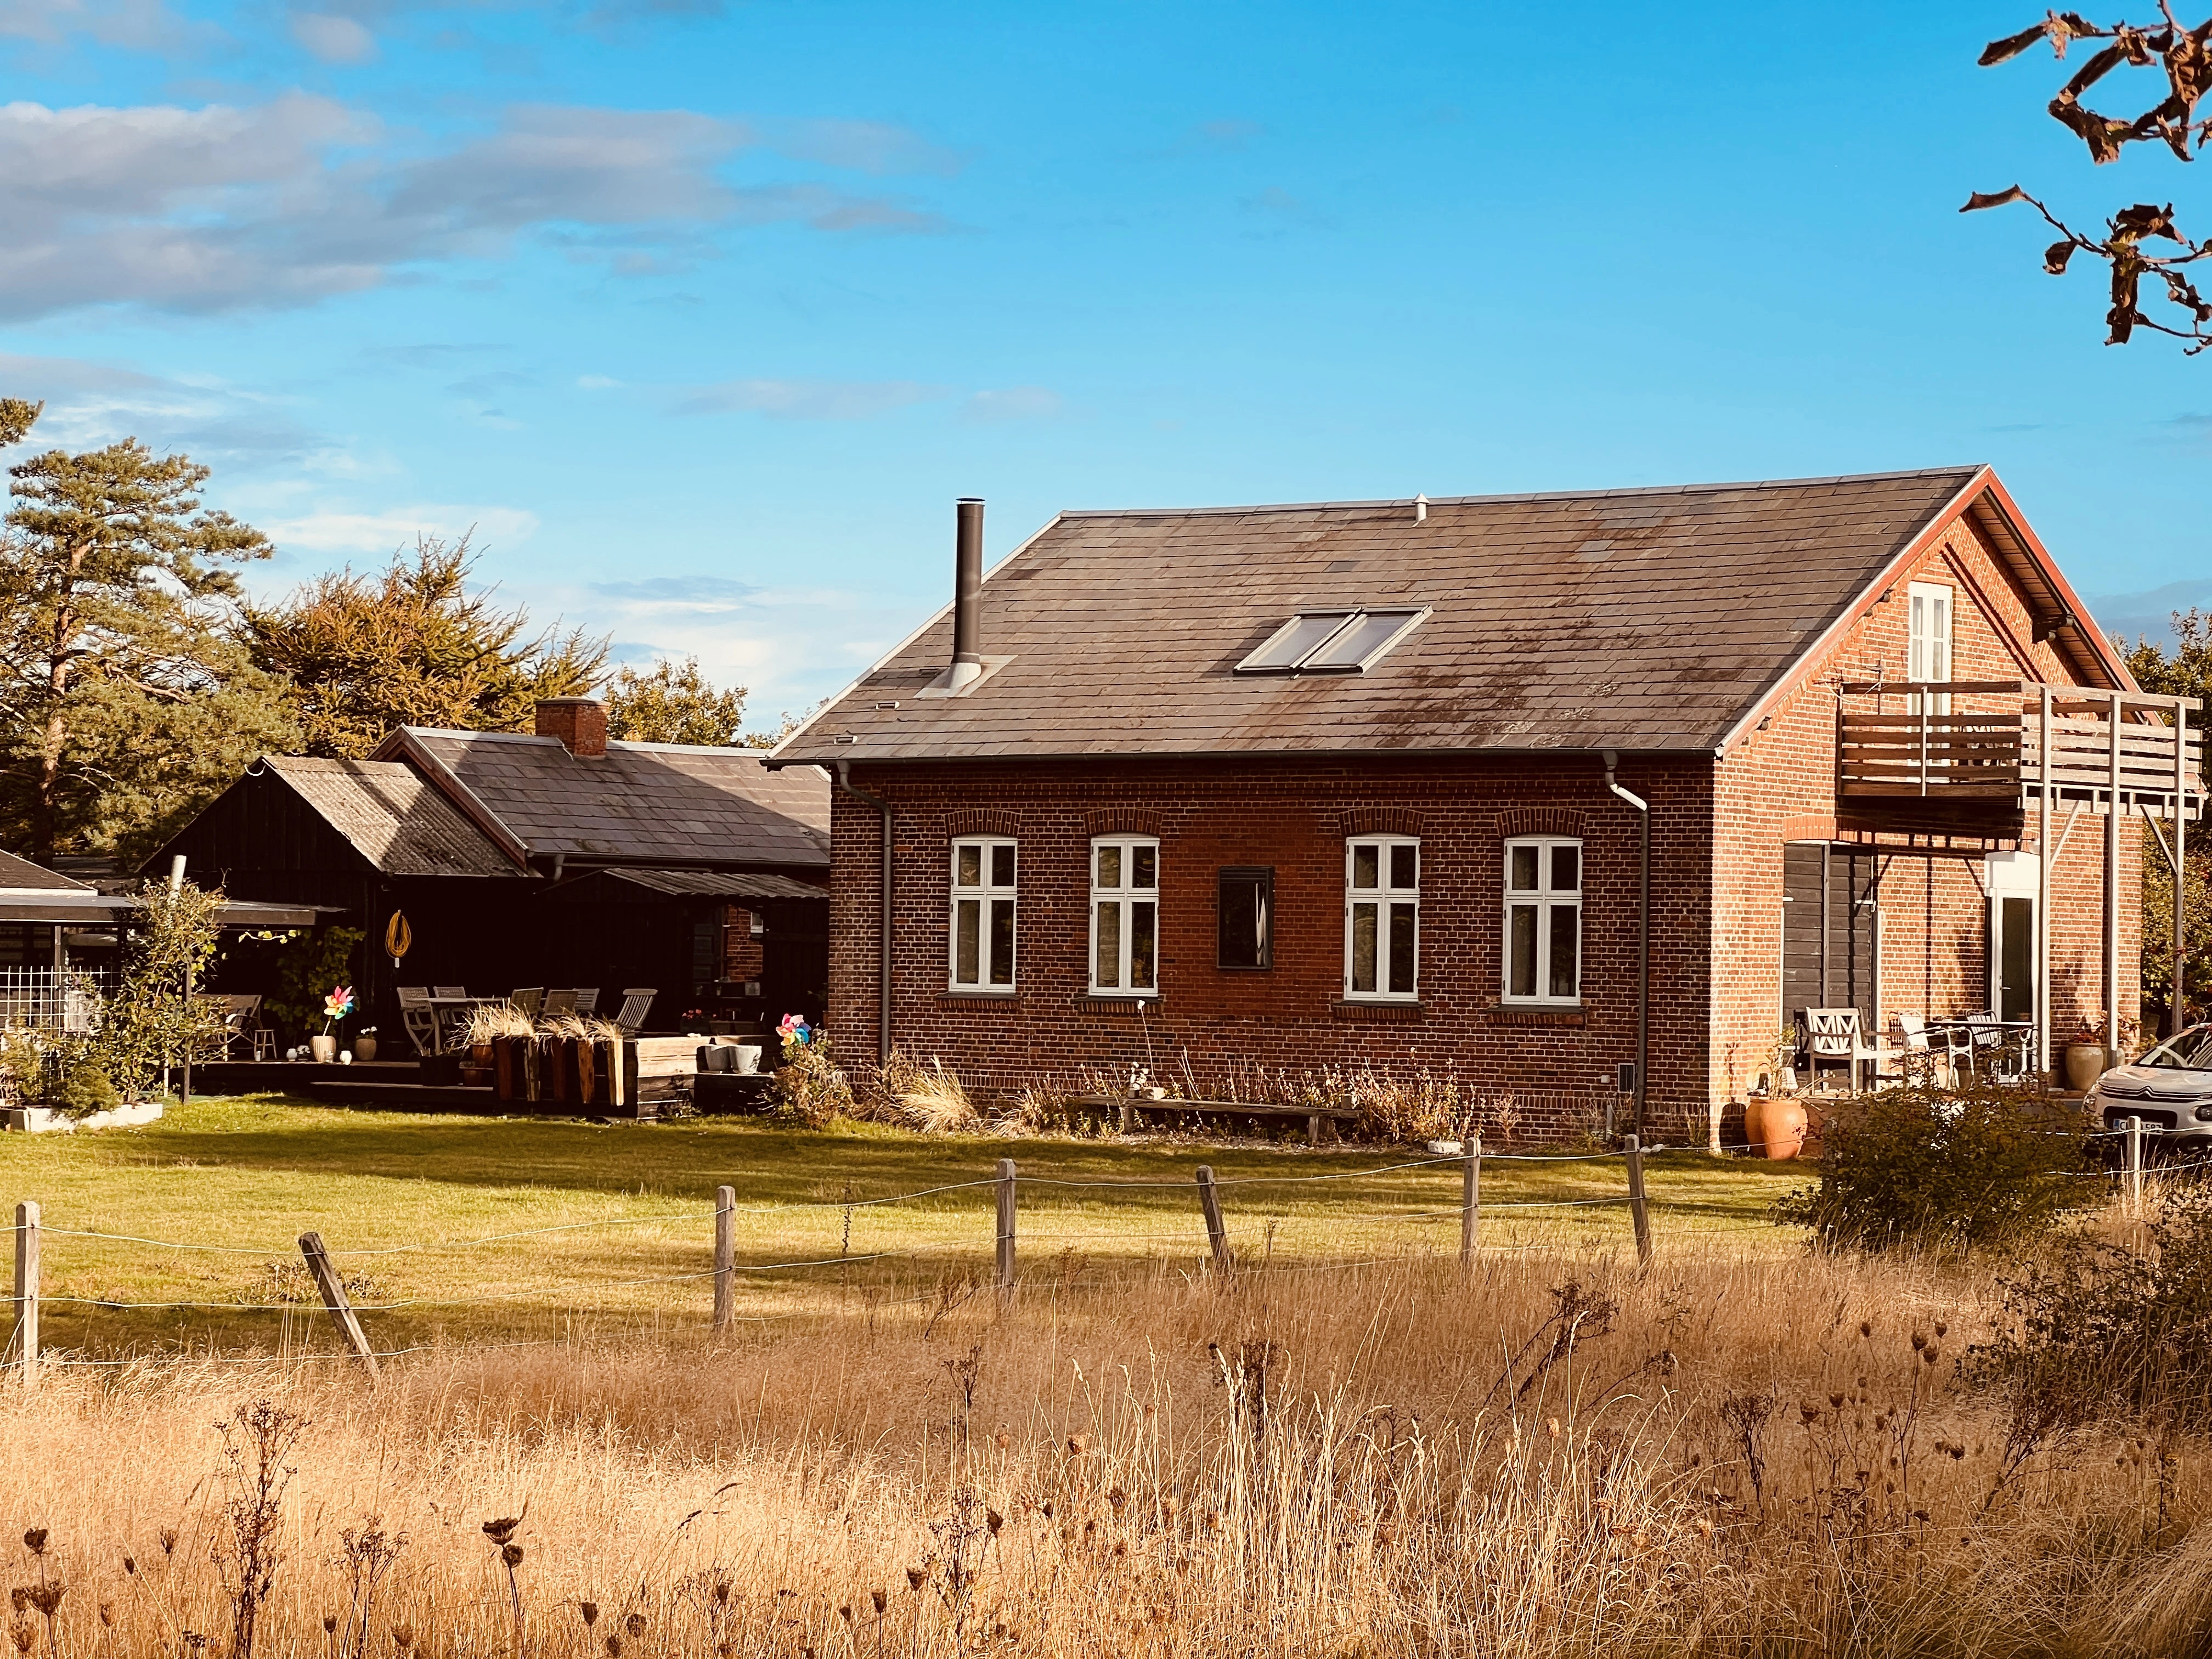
x,y
2085,1063
503,1067
364,1047
325,1049
1782,1129
1754,1118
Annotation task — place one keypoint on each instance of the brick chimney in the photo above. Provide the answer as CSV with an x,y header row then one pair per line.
x,y
581,723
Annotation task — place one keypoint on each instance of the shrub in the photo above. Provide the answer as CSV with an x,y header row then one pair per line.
x,y
1949,1172
926,1097
82,1089
2091,1325
809,1090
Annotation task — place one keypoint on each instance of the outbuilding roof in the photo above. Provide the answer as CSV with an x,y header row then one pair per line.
x,y
639,802
1635,619
394,817
19,875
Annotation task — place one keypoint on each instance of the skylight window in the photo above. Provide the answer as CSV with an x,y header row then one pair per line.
x,y
1330,643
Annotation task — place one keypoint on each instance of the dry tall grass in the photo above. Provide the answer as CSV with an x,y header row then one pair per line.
x,y
1557,1457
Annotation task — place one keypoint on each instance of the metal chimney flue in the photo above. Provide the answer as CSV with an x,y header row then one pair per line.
x,y
968,595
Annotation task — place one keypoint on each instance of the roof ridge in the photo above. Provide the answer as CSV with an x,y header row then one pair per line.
x,y
1963,470
740,749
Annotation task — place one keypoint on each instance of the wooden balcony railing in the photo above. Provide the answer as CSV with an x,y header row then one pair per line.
x,y
2008,743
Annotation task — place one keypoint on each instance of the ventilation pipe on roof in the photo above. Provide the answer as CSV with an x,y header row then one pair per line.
x,y
1642,938
968,595
1420,510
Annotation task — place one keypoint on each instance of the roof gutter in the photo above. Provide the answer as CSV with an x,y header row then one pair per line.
x,y
882,915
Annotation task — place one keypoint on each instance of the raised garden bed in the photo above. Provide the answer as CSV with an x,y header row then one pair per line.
x,y
1132,1110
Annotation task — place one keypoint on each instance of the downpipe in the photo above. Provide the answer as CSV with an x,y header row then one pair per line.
x,y
1643,935
883,920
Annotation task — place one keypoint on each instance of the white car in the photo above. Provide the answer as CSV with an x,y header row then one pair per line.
x,y
2170,1089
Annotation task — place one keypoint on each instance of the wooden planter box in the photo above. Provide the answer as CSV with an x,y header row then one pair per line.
x,y
572,1072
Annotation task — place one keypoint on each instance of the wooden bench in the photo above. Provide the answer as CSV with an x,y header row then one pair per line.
x,y
1132,1109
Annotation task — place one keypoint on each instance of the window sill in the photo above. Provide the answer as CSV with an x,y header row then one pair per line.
x,y
1539,1013
1349,1009
1097,1002
972,992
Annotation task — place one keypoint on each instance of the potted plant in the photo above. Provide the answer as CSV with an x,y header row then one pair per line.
x,y
364,1046
2087,1056
1774,1121
336,1006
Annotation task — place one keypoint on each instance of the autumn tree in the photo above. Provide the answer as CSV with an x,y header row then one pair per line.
x,y
414,646
672,704
2132,245
127,706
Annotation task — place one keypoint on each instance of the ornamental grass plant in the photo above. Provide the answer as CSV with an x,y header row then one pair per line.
x,y
1554,1456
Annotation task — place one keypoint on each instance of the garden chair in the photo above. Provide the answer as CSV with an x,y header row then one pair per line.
x,y
1833,1035
636,1004
558,1002
588,1000
419,1019
1913,1054
449,990
527,1001
240,1022
1991,1056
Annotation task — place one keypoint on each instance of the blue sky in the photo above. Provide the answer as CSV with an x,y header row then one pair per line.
x,y
704,312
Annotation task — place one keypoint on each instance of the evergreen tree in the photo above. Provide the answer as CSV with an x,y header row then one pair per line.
x,y
124,705
414,646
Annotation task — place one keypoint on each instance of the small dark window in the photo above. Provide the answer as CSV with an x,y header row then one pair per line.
x,y
1247,918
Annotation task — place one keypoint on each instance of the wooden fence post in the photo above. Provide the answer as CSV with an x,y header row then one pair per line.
x,y
26,1290
1470,1198
1005,1254
334,1298
725,1256
1638,1210
1209,1200
2135,1146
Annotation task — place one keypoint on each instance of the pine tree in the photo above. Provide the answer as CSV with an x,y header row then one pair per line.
x,y
126,705
414,646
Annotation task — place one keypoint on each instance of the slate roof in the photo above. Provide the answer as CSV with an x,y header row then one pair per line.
x,y
22,875
640,802
1636,619
394,817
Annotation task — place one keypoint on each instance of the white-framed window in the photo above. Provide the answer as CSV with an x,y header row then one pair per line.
x,y
1125,914
983,869
1543,919
1382,918
1928,638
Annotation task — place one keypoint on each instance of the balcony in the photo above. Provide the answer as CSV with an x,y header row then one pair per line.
x,y
2009,745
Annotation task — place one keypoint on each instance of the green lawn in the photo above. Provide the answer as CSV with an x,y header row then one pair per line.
x,y
250,1174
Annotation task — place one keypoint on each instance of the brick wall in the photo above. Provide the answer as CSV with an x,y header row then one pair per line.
x,y
1718,832
1779,786
1293,817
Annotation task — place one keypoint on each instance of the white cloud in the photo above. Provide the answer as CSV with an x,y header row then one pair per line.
x,y
863,146
596,382
1017,402
380,533
333,39
136,25
808,400
288,202
90,404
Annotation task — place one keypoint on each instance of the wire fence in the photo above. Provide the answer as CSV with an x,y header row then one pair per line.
x,y
1207,1237
1206,1234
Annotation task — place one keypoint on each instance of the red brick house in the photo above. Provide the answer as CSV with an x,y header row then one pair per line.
x,y
1367,782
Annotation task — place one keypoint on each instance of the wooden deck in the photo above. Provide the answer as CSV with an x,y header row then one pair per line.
x,y
2010,744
